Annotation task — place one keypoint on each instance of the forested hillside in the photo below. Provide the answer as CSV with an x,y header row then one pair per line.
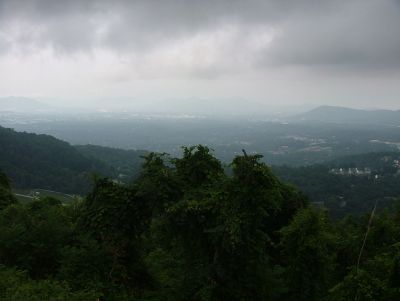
x,y
184,230
349,185
6,197
42,161
127,163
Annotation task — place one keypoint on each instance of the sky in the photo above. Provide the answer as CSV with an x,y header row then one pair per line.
x,y
140,53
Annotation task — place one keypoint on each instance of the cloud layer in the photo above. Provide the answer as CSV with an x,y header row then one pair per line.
x,y
356,33
129,40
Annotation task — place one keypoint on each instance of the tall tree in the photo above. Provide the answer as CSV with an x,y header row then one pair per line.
x,y
117,218
6,196
308,251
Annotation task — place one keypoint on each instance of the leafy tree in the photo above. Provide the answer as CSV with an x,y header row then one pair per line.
x,y
307,247
6,197
186,230
190,221
17,286
349,234
198,166
32,235
157,183
117,218
85,264
245,271
359,285
220,227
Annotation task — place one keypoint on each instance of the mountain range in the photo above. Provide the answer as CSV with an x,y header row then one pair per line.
x,y
333,114
23,105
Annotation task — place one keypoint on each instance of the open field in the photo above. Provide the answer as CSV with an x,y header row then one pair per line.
x,y
30,195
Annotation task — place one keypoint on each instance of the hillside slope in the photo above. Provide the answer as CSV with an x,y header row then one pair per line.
x,y
349,185
42,161
127,163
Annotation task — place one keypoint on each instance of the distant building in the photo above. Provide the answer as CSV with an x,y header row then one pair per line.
x,y
351,171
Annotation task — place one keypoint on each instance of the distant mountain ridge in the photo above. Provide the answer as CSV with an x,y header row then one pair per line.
x,y
334,114
23,105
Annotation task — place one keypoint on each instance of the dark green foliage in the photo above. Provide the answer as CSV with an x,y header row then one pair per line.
x,y
127,163
185,230
42,161
6,197
252,197
359,285
307,249
32,235
17,286
217,228
198,166
117,218
344,194
157,183
4,181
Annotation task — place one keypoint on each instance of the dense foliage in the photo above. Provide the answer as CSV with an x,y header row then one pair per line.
x,y
344,194
6,197
42,161
185,230
127,163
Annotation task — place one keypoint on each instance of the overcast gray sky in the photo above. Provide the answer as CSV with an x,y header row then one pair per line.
x,y
282,52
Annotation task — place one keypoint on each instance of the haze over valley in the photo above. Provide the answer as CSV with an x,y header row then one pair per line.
x,y
300,138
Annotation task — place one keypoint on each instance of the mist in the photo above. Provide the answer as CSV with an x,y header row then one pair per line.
x,y
169,55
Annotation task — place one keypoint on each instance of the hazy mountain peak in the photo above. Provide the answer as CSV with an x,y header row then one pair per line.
x,y
23,105
336,114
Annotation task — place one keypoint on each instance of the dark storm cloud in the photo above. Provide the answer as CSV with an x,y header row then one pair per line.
x,y
130,24
355,35
360,35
